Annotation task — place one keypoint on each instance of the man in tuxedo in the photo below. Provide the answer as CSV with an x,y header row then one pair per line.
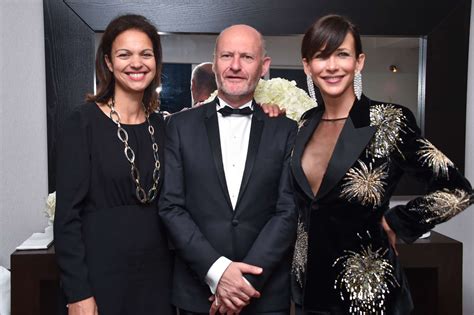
x,y
227,199
203,83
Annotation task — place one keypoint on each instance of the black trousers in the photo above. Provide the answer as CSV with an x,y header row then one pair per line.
x,y
299,311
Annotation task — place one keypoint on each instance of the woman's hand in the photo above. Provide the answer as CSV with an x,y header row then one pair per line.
x,y
392,237
83,307
273,110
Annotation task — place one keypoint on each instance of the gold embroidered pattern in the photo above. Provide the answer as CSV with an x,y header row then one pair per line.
x,y
366,279
442,205
434,158
298,266
365,184
389,121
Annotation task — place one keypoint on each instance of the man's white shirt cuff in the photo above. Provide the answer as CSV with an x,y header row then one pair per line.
x,y
216,271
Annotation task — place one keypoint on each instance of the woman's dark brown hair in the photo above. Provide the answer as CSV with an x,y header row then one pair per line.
x,y
327,34
106,85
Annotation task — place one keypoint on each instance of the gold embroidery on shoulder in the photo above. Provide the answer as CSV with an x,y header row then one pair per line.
x,y
366,279
434,158
365,184
300,253
389,121
442,205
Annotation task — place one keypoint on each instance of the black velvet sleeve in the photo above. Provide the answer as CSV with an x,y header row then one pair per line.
x,y
73,169
448,191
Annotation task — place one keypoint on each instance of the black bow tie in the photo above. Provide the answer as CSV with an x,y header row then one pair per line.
x,y
227,110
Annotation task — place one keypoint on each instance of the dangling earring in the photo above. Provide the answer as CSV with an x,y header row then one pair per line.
x,y
358,84
311,92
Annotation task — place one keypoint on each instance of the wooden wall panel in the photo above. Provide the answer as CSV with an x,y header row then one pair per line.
x,y
271,17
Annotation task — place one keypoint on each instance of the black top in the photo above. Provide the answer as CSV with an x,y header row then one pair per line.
x,y
108,244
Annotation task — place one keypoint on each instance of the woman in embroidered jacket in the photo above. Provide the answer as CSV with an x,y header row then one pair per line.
x,y
349,155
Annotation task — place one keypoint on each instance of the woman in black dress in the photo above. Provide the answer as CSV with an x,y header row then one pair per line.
x,y
349,155
110,245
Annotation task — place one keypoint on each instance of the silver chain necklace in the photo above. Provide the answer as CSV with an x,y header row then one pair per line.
x,y
122,134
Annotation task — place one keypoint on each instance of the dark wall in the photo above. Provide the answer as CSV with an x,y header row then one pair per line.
x,y
69,50
447,57
176,87
70,26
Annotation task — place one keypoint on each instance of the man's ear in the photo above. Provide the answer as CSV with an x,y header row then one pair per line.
x,y
266,65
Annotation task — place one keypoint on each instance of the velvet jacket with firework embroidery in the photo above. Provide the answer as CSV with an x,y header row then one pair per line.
x,y
342,260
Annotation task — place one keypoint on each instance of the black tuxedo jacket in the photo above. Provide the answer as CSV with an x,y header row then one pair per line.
x,y
340,226
197,211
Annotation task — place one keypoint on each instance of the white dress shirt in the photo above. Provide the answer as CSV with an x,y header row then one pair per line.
x,y
234,132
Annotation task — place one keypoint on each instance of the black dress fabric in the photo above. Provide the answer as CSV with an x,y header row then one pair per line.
x,y
108,245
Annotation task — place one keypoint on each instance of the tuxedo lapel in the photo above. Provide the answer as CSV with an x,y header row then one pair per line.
x,y
212,127
306,130
254,143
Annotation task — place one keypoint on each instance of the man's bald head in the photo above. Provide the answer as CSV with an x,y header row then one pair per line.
x,y
239,29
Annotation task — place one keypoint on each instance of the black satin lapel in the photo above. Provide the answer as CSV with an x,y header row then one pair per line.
x,y
352,141
305,131
212,127
254,143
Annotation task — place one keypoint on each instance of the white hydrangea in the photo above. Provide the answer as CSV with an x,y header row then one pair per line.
x,y
285,94
50,206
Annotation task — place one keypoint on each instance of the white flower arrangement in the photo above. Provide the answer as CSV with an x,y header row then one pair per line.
x,y
50,208
283,93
